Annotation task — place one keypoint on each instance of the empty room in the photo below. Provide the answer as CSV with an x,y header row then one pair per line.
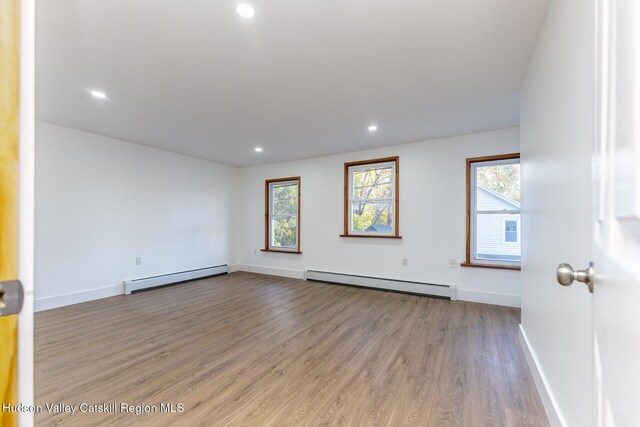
x,y
305,213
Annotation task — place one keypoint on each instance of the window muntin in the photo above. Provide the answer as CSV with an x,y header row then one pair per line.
x,y
283,215
495,212
371,202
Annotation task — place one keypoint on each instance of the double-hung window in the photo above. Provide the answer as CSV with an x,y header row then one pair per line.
x,y
493,211
511,231
282,215
371,198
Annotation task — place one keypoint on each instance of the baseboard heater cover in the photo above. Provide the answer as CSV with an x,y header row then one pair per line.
x,y
167,279
444,291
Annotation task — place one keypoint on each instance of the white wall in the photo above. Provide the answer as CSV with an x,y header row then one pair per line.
x,y
102,202
432,218
556,143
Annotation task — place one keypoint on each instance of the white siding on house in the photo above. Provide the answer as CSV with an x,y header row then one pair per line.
x,y
491,235
490,228
486,201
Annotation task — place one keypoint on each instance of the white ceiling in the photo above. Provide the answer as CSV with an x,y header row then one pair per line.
x,y
302,78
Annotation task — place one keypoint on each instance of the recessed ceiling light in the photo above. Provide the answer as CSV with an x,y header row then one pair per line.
x,y
98,94
258,149
245,10
373,128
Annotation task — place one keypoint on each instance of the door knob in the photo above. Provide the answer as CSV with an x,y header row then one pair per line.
x,y
566,275
11,297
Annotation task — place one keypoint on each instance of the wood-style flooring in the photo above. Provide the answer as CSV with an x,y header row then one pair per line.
x,y
253,350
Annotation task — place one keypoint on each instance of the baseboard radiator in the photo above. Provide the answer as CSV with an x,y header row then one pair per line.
x,y
167,279
430,289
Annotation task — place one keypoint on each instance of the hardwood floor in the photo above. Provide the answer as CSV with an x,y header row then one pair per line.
x,y
252,350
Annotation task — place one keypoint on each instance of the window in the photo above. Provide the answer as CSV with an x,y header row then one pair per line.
x,y
371,198
282,215
493,212
511,231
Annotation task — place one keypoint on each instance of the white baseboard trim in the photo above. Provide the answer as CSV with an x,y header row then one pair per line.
x,y
548,401
47,303
56,301
271,271
494,298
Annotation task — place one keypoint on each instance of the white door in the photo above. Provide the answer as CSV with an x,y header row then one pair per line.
x,y
616,249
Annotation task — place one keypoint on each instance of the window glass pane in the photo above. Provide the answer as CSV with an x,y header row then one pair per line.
x,y
498,187
490,244
373,183
285,199
372,217
284,232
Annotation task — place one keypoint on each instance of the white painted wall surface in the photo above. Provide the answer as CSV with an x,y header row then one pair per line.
x,y
432,218
556,142
101,202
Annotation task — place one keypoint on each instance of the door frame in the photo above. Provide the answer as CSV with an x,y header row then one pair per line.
x,y
26,193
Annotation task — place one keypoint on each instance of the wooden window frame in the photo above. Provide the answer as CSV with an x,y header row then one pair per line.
x,y
267,221
470,161
396,234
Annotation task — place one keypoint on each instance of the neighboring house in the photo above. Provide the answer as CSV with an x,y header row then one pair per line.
x,y
379,228
498,233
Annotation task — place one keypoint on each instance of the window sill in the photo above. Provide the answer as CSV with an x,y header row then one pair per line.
x,y
281,251
498,267
375,237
